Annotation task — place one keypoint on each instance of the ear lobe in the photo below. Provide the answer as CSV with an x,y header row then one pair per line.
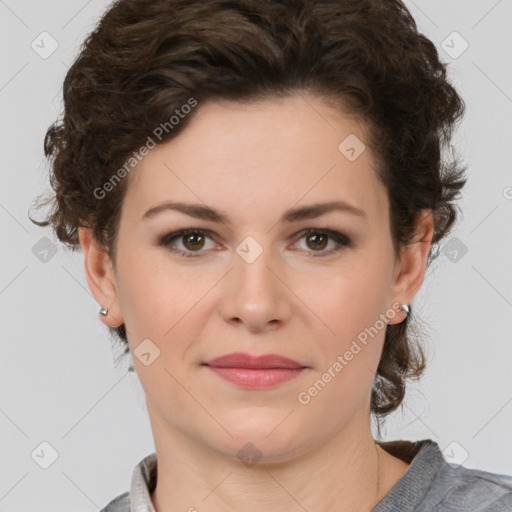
x,y
413,261
100,276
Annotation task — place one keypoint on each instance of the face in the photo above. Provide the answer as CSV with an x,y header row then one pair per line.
x,y
261,273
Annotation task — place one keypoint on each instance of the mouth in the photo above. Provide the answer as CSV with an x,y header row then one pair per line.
x,y
263,362
255,372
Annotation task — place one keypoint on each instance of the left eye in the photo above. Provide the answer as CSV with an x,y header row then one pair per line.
x,y
319,239
193,241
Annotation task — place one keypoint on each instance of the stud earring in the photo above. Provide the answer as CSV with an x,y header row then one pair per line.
x,y
104,312
406,309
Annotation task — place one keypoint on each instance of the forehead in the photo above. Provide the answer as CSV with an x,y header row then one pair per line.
x,y
273,153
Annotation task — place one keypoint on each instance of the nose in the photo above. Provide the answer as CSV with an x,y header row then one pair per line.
x,y
256,295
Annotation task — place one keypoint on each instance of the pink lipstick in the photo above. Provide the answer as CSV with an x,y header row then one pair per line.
x,y
255,372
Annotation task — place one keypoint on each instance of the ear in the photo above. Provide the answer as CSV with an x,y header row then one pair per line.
x,y
100,275
410,270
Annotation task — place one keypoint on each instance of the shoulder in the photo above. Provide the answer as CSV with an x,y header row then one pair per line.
x,y
432,484
462,488
119,504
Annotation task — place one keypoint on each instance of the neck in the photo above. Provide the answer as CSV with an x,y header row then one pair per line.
x,y
348,469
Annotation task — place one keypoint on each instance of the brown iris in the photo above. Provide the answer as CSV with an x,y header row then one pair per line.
x,y
193,241
320,241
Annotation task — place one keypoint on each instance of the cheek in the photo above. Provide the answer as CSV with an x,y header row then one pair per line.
x,y
349,341
350,304
348,299
151,298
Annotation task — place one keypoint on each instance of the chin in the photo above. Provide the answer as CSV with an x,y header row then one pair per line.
x,y
266,439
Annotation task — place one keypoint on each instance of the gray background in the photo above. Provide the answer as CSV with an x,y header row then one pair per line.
x,y
58,382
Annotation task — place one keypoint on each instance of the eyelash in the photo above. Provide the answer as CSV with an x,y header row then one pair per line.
x,y
343,241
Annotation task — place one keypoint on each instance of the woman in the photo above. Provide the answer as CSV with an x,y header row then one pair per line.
x,y
258,188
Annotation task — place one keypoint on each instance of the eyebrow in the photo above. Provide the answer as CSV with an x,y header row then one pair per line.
x,y
204,212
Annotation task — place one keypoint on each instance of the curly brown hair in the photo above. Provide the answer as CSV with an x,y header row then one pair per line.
x,y
147,58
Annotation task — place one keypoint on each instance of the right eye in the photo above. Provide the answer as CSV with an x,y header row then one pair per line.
x,y
192,240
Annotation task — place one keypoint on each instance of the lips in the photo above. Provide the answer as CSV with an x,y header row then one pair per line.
x,y
255,372
247,361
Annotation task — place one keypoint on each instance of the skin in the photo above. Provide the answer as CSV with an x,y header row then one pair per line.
x,y
253,162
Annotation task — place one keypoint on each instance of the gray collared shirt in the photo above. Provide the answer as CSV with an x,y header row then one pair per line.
x,y
430,484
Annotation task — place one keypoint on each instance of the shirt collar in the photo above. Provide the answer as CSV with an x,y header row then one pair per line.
x,y
426,461
143,484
